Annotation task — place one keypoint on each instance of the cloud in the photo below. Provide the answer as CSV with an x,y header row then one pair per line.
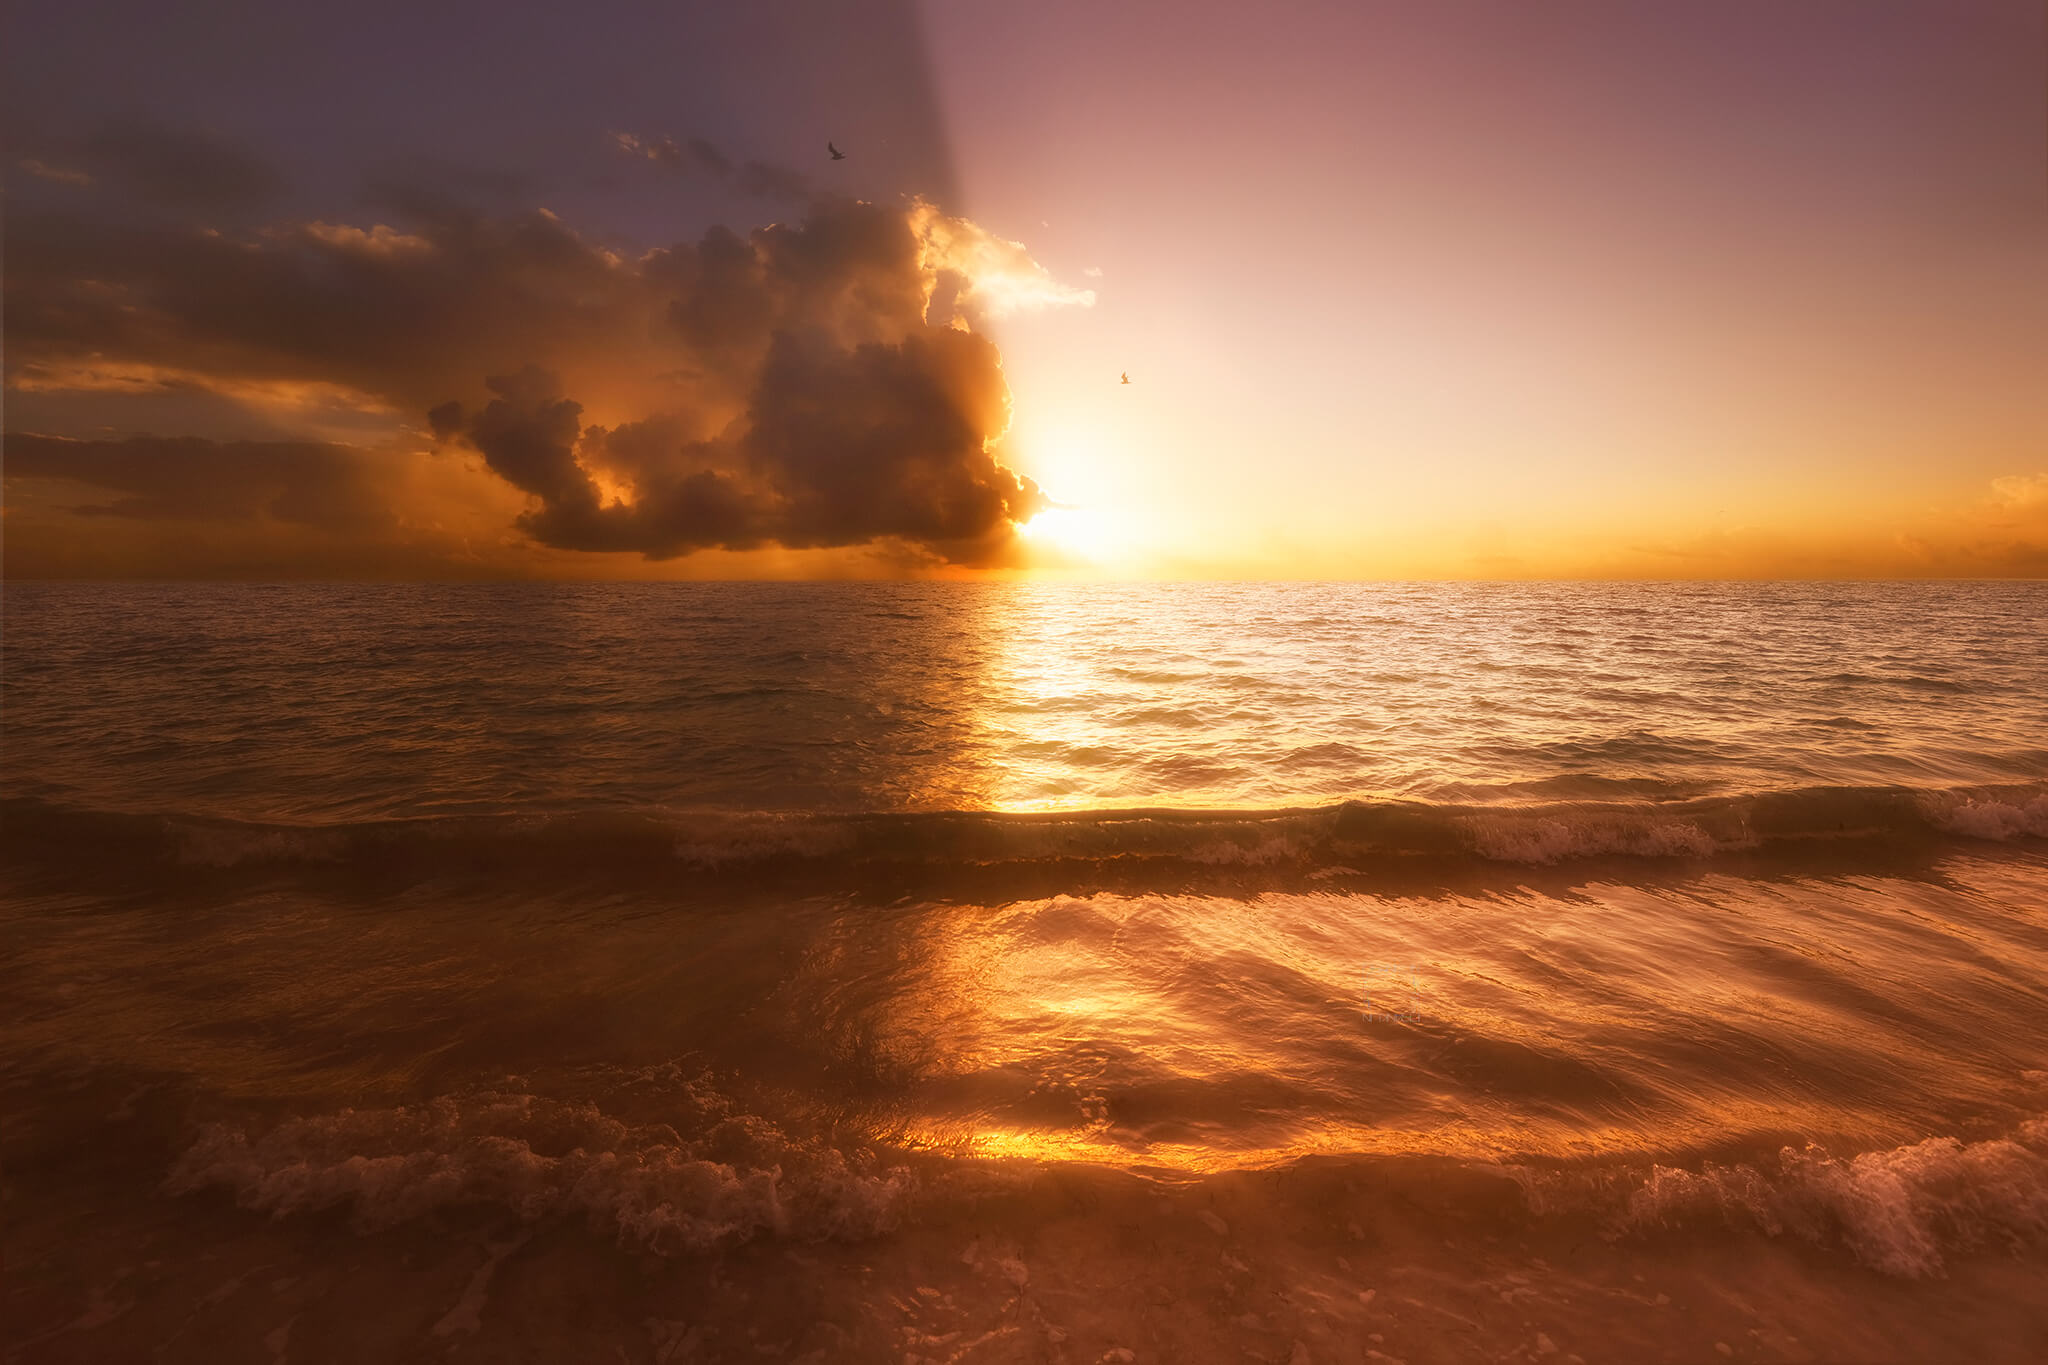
x,y
2020,492
153,507
997,276
184,478
55,174
404,316
377,241
807,385
842,443
182,167
695,155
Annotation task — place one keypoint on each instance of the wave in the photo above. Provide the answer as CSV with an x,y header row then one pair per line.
x,y
709,1176
1350,839
1901,1211
645,1185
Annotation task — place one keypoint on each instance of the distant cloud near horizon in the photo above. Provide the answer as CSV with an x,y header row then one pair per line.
x,y
184,478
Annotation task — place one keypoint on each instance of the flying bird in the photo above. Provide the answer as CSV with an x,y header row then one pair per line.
x,y
837,155
1127,376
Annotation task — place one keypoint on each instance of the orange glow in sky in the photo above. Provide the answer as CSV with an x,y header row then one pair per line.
x,y
1470,291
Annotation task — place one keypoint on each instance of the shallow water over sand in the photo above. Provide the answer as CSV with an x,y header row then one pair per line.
x,y
547,1020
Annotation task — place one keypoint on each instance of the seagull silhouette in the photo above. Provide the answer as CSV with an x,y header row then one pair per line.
x,y
837,155
1127,376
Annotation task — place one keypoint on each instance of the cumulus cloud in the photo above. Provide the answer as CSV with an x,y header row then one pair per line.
x,y
995,276
805,385
864,420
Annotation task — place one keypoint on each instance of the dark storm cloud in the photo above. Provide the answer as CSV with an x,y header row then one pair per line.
x,y
416,313
529,434
780,387
182,478
256,224
886,440
400,315
842,445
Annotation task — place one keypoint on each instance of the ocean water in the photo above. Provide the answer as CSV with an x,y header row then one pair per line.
x,y
1000,972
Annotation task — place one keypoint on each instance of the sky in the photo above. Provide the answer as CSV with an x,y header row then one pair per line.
x,y
1446,290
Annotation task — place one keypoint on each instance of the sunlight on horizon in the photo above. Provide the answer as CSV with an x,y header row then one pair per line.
x,y
1085,533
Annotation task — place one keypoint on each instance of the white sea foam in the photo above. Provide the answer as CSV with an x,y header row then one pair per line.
x,y
1901,1211
643,1183
1519,838
1989,817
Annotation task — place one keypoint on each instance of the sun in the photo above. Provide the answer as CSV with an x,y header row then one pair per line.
x,y
1082,533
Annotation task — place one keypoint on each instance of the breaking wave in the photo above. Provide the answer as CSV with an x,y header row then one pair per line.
x,y
647,1185
1901,1211
726,1178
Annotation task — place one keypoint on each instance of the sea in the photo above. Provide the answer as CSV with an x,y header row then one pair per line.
x,y
1005,971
